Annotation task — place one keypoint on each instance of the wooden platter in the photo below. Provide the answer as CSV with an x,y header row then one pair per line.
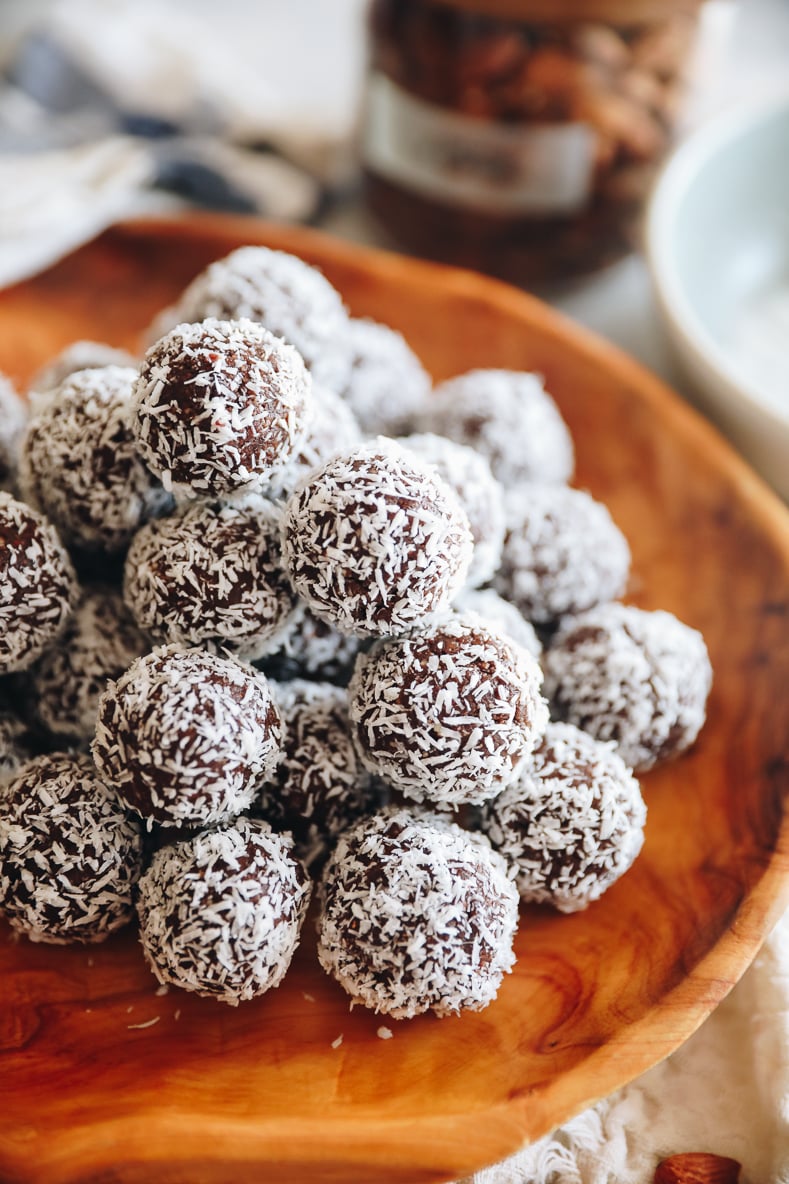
x,y
102,1078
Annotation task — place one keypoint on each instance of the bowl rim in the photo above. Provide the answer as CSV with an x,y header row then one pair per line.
x,y
672,186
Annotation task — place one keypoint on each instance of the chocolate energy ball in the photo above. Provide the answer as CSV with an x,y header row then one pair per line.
x,y
319,786
375,542
562,554
468,473
185,735
572,823
377,373
508,417
38,587
638,678
79,463
80,355
448,714
291,299
331,429
13,422
70,855
500,614
219,406
312,649
221,913
212,575
100,642
416,915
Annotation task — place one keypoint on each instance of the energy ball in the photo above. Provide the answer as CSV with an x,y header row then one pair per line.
x,y
500,614
13,422
375,542
291,299
468,473
221,912
508,417
313,650
219,406
80,355
100,642
562,554
319,786
416,915
79,462
331,429
377,373
212,575
38,587
70,855
638,678
572,823
448,714
185,735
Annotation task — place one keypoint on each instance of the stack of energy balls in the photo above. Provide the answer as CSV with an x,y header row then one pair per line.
x,y
273,612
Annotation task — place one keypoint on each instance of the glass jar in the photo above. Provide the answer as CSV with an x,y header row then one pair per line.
x,y
521,137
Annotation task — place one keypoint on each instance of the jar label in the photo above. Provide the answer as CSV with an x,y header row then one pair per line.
x,y
503,168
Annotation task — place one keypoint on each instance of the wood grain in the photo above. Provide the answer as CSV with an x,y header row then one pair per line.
x,y
209,1094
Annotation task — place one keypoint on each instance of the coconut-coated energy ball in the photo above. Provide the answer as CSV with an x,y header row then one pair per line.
x,y
449,713
374,541
638,678
79,462
319,786
572,823
378,375
331,429
500,614
563,553
70,854
80,355
100,642
212,575
468,473
219,406
221,912
283,293
13,422
508,417
185,735
416,915
38,587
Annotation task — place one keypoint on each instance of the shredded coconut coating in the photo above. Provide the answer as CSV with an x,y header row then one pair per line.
x,y
510,418
221,913
563,553
378,374
638,678
291,299
79,462
219,407
482,497
100,642
70,855
184,735
212,575
448,714
319,786
80,355
13,422
38,587
416,915
375,542
572,823
331,429
501,615
313,649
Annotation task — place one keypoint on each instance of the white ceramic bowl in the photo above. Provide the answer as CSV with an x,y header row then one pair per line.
x,y
718,249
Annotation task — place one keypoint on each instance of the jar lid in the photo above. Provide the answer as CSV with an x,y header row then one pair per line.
x,y
618,12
